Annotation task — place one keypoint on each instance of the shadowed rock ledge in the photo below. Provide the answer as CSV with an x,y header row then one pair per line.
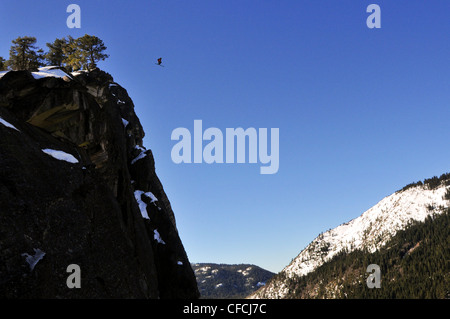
x,y
88,211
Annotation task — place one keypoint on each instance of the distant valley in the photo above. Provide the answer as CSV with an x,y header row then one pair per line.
x,y
223,281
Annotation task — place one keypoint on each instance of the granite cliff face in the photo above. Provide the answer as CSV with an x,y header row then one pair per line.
x,y
78,187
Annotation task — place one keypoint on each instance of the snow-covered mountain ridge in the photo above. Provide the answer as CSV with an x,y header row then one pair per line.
x,y
369,231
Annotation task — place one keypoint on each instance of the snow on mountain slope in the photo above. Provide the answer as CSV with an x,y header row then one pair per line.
x,y
371,231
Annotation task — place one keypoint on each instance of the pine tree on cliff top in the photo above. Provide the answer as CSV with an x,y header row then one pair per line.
x,y
85,52
56,54
2,64
24,55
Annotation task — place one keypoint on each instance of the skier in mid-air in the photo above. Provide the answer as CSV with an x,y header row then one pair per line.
x,y
159,61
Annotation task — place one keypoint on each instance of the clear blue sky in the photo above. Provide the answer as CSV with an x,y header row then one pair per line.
x,y
361,111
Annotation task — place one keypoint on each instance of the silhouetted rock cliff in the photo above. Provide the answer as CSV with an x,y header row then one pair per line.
x,y
78,187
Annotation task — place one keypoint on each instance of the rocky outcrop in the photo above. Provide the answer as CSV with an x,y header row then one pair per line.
x,y
104,210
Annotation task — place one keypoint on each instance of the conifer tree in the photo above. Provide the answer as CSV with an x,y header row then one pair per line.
x,y
24,55
56,54
2,64
85,52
